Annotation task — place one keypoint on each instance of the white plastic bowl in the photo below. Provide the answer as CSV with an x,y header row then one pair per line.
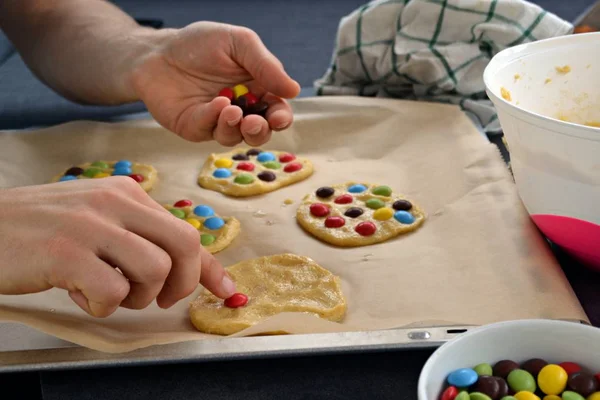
x,y
553,341
556,164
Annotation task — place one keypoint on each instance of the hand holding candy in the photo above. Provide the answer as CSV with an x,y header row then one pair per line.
x,y
180,81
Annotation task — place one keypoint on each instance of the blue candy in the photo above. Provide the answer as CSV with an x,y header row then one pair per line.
x,y
68,178
222,173
358,188
203,211
214,223
462,378
123,164
122,171
404,217
266,156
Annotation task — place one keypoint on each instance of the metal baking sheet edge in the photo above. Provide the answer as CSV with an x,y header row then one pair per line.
x,y
77,357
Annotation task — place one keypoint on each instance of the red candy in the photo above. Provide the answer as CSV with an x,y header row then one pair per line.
x,y
335,222
365,228
319,210
597,376
236,300
183,203
137,177
227,92
293,167
344,199
245,166
450,393
287,157
570,367
250,99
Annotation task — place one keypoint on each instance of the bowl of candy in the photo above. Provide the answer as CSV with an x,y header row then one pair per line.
x,y
516,360
548,105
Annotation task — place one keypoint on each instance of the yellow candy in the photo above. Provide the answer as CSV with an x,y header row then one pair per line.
x,y
383,213
223,163
593,396
239,90
101,175
552,379
552,397
193,222
526,396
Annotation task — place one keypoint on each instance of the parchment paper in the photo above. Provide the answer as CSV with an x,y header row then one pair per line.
x,y
477,259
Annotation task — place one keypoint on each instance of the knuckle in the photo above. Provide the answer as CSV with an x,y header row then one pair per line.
x,y
161,267
106,195
189,238
116,291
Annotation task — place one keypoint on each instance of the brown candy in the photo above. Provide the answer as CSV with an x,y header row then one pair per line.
x,y
504,367
325,192
582,383
253,152
488,385
402,205
353,212
75,171
259,108
534,366
503,388
267,176
240,157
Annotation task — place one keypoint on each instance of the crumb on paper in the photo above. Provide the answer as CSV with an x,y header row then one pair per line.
x,y
269,222
588,66
287,202
505,94
259,213
563,118
593,124
547,81
563,70
52,310
517,77
367,256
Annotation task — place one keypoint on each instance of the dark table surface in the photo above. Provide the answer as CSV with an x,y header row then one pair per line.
x,y
380,375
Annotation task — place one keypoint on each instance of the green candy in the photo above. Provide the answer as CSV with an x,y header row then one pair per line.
x,y
479,396
272,165
207,239
508,398
463,396
91,172
374,204
244,179
521,380
483,369
568,395
178,213
382,191
100,164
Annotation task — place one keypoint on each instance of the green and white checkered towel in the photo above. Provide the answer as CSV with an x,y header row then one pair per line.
x,y
432,50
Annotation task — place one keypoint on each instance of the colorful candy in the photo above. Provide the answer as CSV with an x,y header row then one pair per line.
x,y
101,175
569,395
122,171
483,369
239,90
236,300
272,165
74,171
222,173
137,177
67,178
374,204
182,203
91,172
382,191
265,156
123,164
267,176
404,217
240,96
383,214
353,212
325,192
582,383
450,393
534,366
253,152
227,92
101,164
335,222
487,385
552,379
214,223
319,209
292,167
462,378
204,211
402,205
570,367
287,157
344,199
366,228
244,179
245,166
520,380
504,367
526,396
177,212
358,188
206,239
193,222
240,157
223,163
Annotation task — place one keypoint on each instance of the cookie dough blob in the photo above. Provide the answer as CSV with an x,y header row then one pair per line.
x,y
357,214
245,172
216,232
144,174
273,285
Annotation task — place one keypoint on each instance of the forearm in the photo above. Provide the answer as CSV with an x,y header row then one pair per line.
x,y
85,50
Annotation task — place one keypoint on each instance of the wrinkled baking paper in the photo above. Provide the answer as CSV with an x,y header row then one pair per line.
x,y
477,259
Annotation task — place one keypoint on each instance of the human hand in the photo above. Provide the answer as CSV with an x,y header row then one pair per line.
x,y
179,82
74,235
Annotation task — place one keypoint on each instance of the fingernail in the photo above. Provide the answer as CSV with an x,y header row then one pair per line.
x,y
283,125
228,286
233,122
255,130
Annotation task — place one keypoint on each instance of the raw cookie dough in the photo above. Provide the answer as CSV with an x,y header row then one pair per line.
x,y
247,172
216,232
273,284
145,175
357,214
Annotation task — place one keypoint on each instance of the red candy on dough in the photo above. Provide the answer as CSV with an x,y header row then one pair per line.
x,y
344,199
137,177
227,92
236,300
183,203
335,222
570,367
287,157
245,166
319,210
293,167
365,228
